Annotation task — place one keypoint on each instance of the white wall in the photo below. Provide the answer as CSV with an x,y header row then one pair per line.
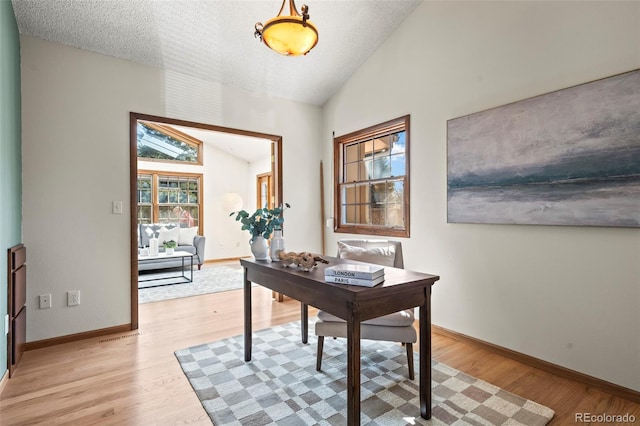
x,y
567,295
75,120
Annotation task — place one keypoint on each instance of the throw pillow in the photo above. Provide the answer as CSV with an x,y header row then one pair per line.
x,y
187,235
384,256
168,234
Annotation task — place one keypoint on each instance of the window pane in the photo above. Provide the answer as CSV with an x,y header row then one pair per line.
x,y
349,195
395,214
398,143
379,193
154,144
351,214
381,167
352,172
144,197
351,153
382,144
397,192
378,216
144,214
364,214
368,166
398,165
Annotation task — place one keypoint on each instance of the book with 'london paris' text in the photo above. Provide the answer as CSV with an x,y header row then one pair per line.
x,y
354,281
349,270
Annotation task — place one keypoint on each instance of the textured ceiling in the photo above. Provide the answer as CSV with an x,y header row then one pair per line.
x,y
213,39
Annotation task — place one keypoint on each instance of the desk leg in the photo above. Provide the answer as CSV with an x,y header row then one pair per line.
x,y
425,356
353,368
304,322
247,318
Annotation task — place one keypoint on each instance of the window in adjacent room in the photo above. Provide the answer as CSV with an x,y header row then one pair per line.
x,y
159,193
160,142
372,175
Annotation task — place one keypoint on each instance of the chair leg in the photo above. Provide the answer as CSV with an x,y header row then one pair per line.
x,y
319,355
410,360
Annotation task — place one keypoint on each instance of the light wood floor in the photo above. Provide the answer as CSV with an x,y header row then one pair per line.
x,y
134,379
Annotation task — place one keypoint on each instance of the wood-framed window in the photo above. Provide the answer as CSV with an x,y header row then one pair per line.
x,y
371,169
163,143
159,192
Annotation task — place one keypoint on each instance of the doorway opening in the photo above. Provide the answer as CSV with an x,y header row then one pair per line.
x,y
234,141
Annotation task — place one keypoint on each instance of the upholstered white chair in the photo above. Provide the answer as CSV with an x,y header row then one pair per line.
x,y
396,327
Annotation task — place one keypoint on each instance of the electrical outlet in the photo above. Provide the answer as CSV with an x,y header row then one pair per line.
x,y
73,298
45,301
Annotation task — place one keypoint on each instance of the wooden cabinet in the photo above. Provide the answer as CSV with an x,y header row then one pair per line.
x,y
17,301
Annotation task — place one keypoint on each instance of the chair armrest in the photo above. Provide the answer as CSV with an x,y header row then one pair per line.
x,y
198,243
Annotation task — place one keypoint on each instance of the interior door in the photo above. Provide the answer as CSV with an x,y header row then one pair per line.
x,y
264,190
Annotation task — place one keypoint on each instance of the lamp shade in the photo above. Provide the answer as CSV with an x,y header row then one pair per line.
x,y
289,36
231,202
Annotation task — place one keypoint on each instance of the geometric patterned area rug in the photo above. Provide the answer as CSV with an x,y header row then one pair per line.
x,y
210,279
280,385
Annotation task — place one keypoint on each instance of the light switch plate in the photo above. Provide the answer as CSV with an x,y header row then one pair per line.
x,y
117,207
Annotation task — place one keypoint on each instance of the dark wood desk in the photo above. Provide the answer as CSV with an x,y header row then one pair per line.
x,y
401,289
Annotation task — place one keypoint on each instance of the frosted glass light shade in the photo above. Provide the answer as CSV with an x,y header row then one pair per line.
x,y
289,36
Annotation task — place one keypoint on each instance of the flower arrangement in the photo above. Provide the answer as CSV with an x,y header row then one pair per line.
x,y
262,222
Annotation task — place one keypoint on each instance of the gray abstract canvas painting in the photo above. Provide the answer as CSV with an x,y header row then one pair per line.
x,y
570,157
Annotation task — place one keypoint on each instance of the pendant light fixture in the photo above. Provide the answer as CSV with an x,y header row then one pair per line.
x,y
289,35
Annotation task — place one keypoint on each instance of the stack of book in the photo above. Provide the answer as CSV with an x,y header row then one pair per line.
x,y
364,275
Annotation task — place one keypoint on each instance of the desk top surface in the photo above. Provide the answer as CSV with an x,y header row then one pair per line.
x,y
393,276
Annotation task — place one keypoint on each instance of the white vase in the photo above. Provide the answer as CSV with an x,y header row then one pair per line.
x,y
153,246
277,244
259,248
169,251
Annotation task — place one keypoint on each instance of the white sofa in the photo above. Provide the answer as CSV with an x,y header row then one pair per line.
x,y
186,238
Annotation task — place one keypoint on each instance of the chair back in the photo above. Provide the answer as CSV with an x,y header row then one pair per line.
x,y
398,261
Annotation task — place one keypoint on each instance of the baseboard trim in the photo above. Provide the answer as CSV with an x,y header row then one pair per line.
x,y
560,371
3,381
38,344
226,259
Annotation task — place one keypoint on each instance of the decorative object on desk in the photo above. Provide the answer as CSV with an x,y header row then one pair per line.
x,y
298,394
276,245
362,282
305,260
169,246
261,223
352,274
259,247
350,270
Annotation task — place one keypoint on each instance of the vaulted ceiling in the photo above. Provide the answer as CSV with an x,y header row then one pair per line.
x,y
213,39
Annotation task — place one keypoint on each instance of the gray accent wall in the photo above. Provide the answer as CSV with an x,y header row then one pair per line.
x,y
10,155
